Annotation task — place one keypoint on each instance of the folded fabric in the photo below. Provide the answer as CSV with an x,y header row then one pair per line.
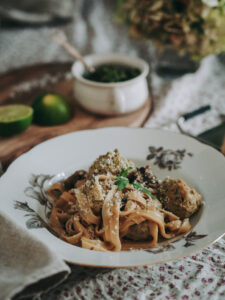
x,y
26,264
57,7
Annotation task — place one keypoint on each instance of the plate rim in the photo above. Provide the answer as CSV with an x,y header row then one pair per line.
x,y
198,142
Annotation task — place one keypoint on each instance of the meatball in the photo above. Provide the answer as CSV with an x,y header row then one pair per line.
x,y
179,198
111,162
138,232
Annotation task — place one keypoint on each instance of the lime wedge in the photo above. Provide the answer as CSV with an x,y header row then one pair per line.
x,y
14,118
51,109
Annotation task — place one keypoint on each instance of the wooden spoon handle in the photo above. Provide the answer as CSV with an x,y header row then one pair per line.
x,y
74,52
59,37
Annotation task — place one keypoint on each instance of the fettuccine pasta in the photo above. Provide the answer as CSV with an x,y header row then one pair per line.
x,y
112,207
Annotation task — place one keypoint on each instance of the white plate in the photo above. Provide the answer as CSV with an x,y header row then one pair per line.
x,y
169,154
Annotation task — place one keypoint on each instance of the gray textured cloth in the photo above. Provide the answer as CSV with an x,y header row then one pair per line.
x,y
56,7
26,264
93,29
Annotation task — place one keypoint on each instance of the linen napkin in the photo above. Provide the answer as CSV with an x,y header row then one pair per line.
x,y
26,264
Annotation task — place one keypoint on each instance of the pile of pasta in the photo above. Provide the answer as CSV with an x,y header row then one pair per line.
x,y
96,215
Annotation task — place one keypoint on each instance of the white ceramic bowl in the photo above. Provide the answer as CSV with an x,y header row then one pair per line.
x,y
111,98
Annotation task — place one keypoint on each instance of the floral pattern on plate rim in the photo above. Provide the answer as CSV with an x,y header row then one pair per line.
x,y
167,158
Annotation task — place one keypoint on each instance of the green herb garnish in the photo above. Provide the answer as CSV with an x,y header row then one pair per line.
x,y
143,189
122,181
125,172
112,73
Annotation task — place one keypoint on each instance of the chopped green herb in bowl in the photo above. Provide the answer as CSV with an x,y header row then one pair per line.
x,y
109,73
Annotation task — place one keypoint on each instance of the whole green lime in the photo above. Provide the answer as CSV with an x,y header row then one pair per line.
x,y
14,119
51,109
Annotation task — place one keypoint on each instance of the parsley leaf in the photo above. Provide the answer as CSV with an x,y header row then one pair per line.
x,y
122,179
125,172
121,182
143,189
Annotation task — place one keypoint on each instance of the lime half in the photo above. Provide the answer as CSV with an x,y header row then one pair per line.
x,y
14,118
51,109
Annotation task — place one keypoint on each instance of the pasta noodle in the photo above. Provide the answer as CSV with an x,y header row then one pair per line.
x,y
107,211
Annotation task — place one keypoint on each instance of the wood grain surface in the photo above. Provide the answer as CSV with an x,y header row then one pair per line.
x,y
24,85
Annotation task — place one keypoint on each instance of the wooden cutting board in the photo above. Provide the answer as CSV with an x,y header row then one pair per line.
x,y
25,84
